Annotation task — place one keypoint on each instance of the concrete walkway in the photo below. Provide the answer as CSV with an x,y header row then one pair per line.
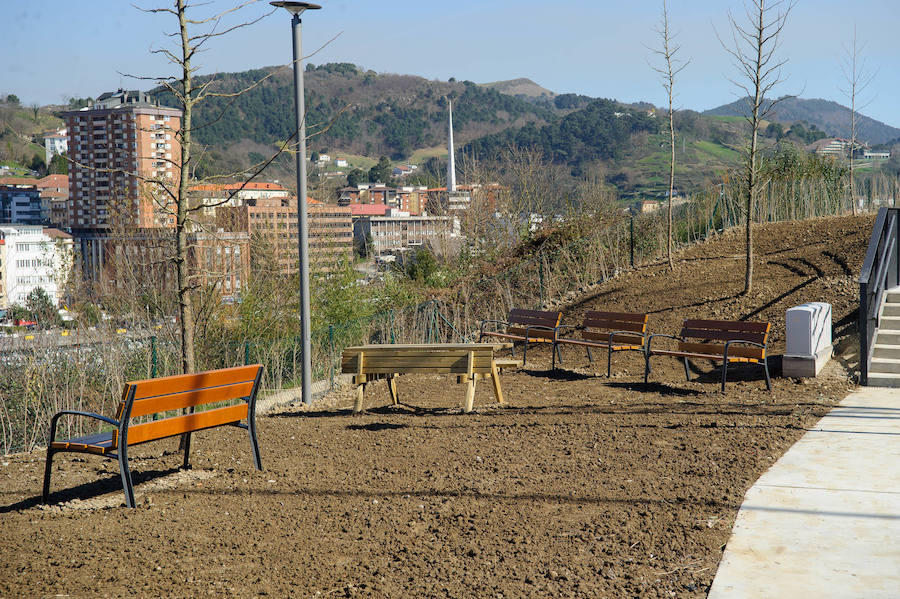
x,y
824,521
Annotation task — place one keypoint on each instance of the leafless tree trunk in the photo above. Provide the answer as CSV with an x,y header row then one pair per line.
x,y
857,80
753,47
673,67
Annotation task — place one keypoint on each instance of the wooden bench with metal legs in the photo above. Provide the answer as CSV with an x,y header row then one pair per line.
x,y
725,341
468,361
143,401
527,326
610,331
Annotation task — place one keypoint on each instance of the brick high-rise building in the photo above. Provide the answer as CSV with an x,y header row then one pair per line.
x,y
114,145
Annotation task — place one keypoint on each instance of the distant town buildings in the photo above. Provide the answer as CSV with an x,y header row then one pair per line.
x,y
117,147
31,257
398,229
272,224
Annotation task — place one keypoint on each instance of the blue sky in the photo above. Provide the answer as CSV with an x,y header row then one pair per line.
x,y
54,49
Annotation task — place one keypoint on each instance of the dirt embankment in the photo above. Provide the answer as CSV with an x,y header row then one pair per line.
x,y
580,487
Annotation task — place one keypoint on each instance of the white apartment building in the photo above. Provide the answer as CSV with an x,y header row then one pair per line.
x,y
56,143
399,229
32,256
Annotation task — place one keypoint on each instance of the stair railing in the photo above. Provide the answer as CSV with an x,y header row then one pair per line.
x,y
880,271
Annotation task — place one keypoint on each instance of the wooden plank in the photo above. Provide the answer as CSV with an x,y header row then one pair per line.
x,y
175,401
413,370
619,338
404,362
616,316
177,425
422,346
189,382
728,325
717,349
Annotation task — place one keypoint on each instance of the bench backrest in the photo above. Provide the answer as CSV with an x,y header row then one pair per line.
x,y
520,319
411,359
175,393
598,325
710,335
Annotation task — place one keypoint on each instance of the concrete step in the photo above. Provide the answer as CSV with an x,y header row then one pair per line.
x,y
889,323
887,337
890,352
892,297
884,379
884,365
891,310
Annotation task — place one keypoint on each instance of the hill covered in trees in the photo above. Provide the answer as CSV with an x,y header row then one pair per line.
x,y
830,117
357,111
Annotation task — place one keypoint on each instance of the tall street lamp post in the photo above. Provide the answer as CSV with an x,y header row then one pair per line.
x,y
296,8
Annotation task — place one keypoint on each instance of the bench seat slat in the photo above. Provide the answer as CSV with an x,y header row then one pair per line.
x,y
718,349
601,344
397,353
618,338
100,443
177,425
699,356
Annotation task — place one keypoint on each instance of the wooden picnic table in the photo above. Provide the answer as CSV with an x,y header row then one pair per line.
x,y
469,361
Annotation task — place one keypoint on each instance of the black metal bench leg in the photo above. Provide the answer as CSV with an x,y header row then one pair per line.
x,y
646,366
590,357
608,363
48,469
127,484
724,374
254,444
768,380
525,353
553,357
687,370
186,441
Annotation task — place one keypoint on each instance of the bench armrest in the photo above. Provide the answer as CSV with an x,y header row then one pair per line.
x,y
93,415
650,339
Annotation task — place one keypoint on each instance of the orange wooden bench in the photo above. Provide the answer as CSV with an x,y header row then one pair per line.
x,y
726,341
611,331
144,401
528,326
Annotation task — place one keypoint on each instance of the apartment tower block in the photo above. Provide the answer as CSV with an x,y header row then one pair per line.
x,y
118,146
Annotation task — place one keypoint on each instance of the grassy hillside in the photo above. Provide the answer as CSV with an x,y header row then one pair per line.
x,y
19,128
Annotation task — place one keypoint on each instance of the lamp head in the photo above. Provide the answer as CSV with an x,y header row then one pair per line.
x,y
295,8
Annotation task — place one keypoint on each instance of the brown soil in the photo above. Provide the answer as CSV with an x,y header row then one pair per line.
x,y
580,487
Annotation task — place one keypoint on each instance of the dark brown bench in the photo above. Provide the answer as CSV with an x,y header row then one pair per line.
x,y
610,331
527,326
144,401
725,341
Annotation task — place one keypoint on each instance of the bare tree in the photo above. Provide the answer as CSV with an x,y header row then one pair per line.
x,y
753,48
673,66
857,79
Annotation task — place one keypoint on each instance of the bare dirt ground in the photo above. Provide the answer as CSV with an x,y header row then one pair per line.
x,y
581,486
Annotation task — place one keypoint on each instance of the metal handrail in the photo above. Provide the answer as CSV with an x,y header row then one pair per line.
x,y
880,271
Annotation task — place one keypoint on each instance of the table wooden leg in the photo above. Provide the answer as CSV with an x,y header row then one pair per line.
x,y
470,388
392,388
495,378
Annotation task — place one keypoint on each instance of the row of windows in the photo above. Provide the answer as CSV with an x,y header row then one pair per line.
x,y
33,263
